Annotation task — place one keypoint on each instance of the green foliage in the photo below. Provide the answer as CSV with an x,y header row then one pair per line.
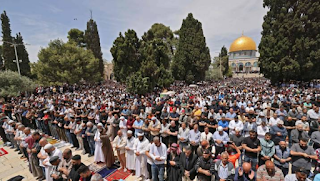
x,y
289,47
76,36
7,51
65,63
138,84
147,59
229,72
214,72
92,40
224,60
1,60
12,84
192,58
23,55
125,53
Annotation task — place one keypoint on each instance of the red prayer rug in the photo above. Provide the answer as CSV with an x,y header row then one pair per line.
x,y
3,152
119,174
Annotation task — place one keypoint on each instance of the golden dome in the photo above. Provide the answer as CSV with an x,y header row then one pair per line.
x,y
242,43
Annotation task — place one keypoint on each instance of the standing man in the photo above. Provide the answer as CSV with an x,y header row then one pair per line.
x,y
224,170
140,148
252,147
220,139
90,132
183,135
302,155
194,138
282,157
66,164
158,153
51,151
278,132
33,159
205,166
74,175
267,149
130,162
188,161
98,154
119,144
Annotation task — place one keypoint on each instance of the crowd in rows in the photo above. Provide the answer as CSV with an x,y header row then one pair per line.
x,y
227,130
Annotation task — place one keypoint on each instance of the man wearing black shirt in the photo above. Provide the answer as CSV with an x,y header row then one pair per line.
x,y
74,175
290,125
252,147
85,173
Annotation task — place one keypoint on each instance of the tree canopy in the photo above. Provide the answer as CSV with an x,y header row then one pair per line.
x,y
12,84
125,53
77,36
66,63
144,63
92,40
289,47
192,58
23,55
223,55
7,50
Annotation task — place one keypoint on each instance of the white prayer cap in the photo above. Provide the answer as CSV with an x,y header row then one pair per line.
x,y
122,118
220,128
140,134
100,124
153,118
129,132
237,129
11,121
48,146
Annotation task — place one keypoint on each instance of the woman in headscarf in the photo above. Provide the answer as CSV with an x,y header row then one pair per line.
x,y
173,165
107,150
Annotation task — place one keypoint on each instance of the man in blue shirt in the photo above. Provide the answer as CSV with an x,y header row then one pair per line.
x,y
137,125
224,123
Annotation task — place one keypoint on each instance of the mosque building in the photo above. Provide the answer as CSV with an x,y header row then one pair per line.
x,y
242,56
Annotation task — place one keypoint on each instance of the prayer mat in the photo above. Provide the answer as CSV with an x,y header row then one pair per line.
x,y
119,174
3,152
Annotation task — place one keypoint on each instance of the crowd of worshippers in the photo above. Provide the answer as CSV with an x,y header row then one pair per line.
x,y
230,130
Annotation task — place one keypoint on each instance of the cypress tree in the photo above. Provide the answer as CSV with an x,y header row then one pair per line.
x,y
92,40
1,60
224,60
7,50
290,43
23,55
192,58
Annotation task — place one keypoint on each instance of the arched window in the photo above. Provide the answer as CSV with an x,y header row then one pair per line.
x,y
255,64
248,64
233,65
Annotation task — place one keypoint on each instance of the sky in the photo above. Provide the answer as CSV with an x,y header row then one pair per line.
x,y
40,21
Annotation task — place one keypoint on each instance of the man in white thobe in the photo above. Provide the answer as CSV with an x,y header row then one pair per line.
x,y
140,148
51,151
98,154
123,126
130,151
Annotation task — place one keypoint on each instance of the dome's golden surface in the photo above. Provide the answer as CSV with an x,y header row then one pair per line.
x,y
243,43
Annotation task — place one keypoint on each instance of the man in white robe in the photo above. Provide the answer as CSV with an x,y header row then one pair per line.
x,y
123,126
98,154
130,159
51,151
140,148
